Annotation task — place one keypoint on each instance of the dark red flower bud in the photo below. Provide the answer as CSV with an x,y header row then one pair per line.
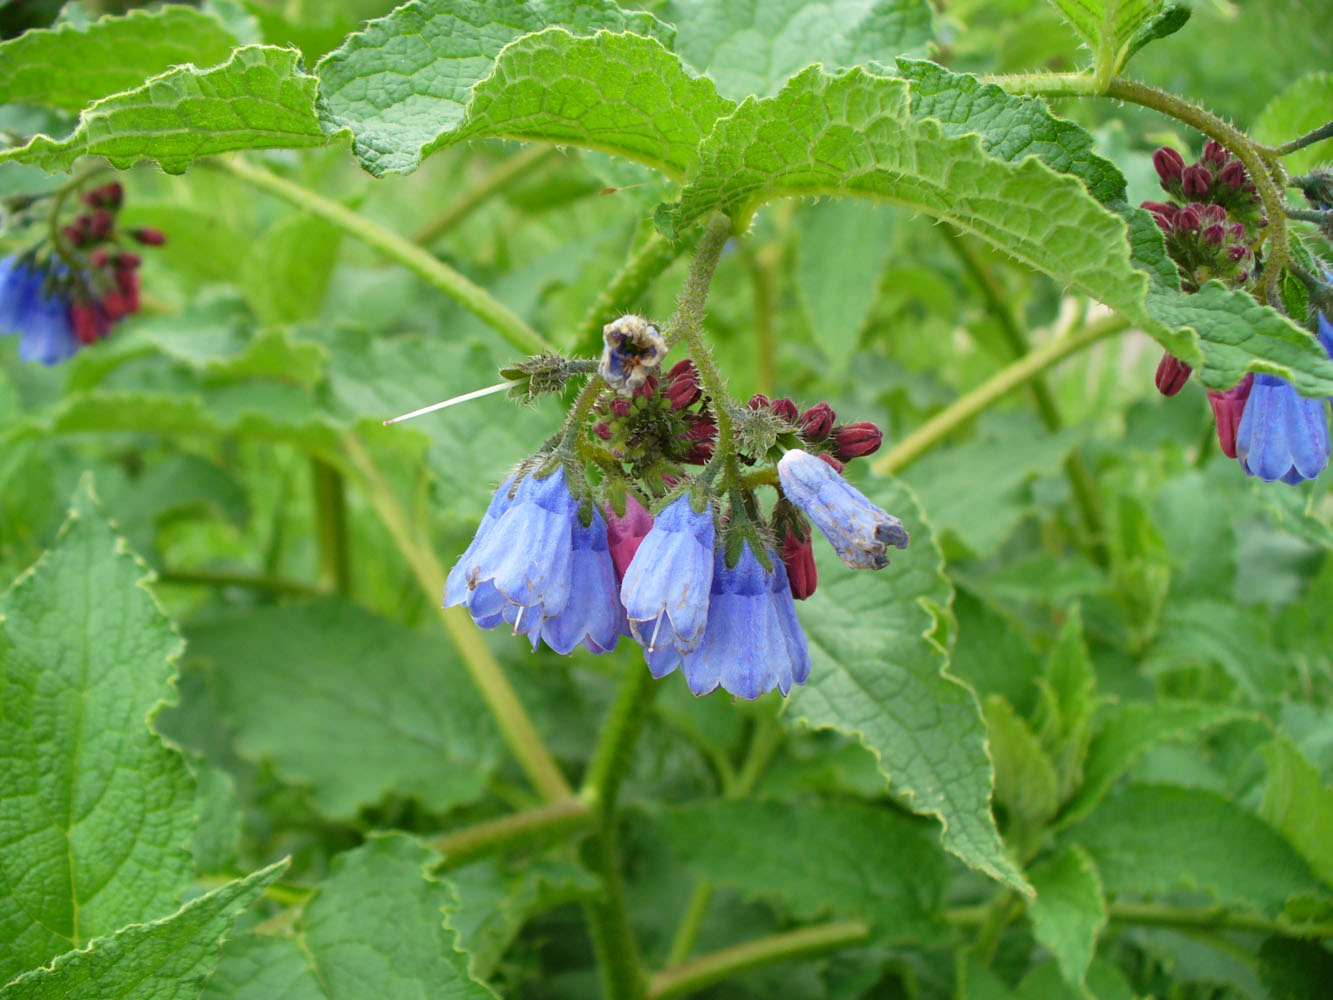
x,y
702,427
1170,166
1190,218
128,281
1237,230
700,454
799,558
1215,152
647,388
856,440
619,407
149,237
1172,374
128,261
1233,175
1228,407
74,236
623,534
101,224
785,409
831,462
817,422
112,195
758,401
99,258
116,305
1237,253
1214,214
1197,182
602,429
1214,235
89,322
681,367
682,387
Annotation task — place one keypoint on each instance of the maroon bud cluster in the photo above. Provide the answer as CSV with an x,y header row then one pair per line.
x,y
1172,374
817,423
1219,182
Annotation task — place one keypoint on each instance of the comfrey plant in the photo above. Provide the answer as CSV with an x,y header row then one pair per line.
x,y
684,561
71,288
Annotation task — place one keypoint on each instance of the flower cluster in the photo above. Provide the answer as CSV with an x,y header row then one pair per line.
x,y
569,552
73,294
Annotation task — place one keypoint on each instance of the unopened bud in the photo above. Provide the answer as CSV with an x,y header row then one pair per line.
x,y
785,409
817,422
856,440
1237,252
1215,152
1233,175
682,386
128,280
89,322
148,236
128,261
798,556
1172,374
1214,235
101,224
99,258
758,402
1228,407
1214,213
831,462
1190,218
603,430
1197,181
1170,167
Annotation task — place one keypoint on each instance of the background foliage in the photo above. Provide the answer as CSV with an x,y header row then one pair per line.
x,y
1076,741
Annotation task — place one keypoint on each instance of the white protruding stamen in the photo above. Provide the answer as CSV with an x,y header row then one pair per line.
x,y
477,394
518,618
652,643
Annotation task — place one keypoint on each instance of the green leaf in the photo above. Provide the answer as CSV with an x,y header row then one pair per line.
x,y
841,257
1025,782
168,959
752,48
1112,29
1069,912
69,66
403,82
1295,970
1131,732
1298,804
1146,839
1171,19
878,675
815,856
1222,333
374,928
1066,703
287,271
350,704
96,813
257,99
616,93
1301,108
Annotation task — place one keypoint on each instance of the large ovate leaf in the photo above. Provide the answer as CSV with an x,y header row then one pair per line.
x,y
96,813
168,959
617,93
68,66
817,858
1069,912
350,704
1299,804
287,271
1221,332
1153,839
752,47
1025,781
880,676
376,927
403,82
257,99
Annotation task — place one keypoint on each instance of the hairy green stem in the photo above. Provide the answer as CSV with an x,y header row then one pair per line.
x,y
1309,139
538,826
249,581
687,931
533,756
335,568
608,917
694,975
626,288
496,180
1182,917
963,409
760,265
420,262
1080,477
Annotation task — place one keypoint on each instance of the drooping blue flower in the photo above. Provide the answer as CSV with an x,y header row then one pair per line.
x,y
1282,434
592,616
666,585
752,642
42,322
859,531
519,566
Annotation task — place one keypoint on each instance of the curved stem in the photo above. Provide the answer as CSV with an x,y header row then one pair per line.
x,y
1165,915
430,269
512,719
648,262
250,581
949,419
496,180
530,826
331,540
1309,139
705,970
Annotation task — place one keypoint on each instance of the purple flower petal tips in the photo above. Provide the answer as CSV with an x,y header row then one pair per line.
x,y
665,590
859,531
1282,434
752,642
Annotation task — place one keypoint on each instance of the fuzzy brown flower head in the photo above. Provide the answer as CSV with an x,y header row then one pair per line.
x,y
634,350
